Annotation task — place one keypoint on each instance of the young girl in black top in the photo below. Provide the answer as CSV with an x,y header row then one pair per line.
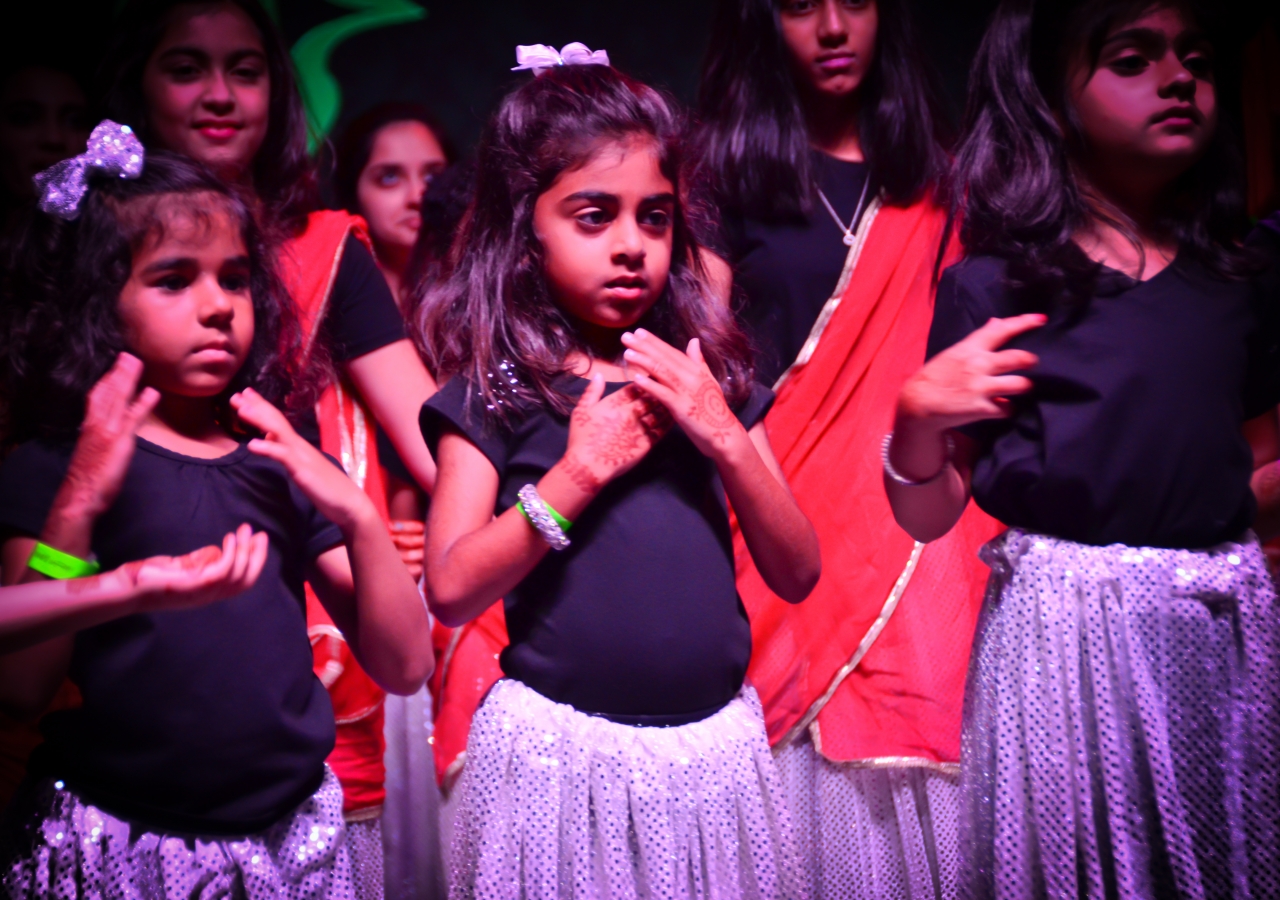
x,y
1122,718
622,755
196,761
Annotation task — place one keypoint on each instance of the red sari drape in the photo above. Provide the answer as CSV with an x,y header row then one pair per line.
x,y
873,663
309,264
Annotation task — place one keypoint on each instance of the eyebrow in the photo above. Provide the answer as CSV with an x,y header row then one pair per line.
x,y
180,262
235,57
605,197
1151,36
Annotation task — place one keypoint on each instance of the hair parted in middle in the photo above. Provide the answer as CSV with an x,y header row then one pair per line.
x,y
1015,188
493,312
753,142
60,318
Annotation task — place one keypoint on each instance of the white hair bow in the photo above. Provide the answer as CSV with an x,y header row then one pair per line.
x,y
540,57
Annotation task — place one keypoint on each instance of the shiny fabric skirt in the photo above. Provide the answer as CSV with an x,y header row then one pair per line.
x,y
556,803
1122,724
55,846
872,832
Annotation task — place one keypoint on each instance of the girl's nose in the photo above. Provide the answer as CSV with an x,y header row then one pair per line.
x,y
218,96
831,28
214,305
628,242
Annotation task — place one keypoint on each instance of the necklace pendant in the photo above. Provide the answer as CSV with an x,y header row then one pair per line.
x,y
848,238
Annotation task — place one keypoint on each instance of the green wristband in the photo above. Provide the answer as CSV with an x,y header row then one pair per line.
x,y
53,562
564,523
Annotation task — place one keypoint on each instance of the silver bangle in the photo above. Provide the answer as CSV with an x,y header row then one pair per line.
x,y
535,510
893,473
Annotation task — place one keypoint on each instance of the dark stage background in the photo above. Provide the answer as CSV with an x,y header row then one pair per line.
x,y
455,56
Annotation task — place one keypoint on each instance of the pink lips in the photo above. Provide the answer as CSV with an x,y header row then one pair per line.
x,y
218,132
836,63
626,288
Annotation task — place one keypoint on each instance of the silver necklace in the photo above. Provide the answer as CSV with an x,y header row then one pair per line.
x,y
848,230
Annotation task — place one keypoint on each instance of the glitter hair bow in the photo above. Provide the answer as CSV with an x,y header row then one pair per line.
x,y
113,149
540,57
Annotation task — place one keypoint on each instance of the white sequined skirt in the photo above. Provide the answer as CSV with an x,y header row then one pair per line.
x,y
1122,724
58,847
556,803
872,832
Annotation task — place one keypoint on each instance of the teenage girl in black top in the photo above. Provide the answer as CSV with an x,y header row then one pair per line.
x,y
569,402
1123,712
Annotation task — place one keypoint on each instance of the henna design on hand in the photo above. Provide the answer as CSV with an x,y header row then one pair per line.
x,y
581,475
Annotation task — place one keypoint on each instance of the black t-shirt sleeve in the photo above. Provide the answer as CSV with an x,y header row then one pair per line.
x,y
29,480
1262,385
362,315
968,295
458,406
321,533
756,406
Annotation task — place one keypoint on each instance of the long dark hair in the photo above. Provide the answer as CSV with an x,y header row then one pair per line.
x,y
60,322
353,146
754,144
493,313
283,174
1015,188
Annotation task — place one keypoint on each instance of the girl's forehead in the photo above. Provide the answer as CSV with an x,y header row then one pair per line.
x,y
181,220
616,165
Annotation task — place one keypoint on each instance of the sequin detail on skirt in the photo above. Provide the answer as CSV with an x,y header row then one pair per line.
x,y
1122,723
559,804
364,848
61,848
872,832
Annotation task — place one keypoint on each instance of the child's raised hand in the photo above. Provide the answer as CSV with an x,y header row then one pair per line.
x,y
327,486
409,536
107,438
201,577
608,436
970,380
684,385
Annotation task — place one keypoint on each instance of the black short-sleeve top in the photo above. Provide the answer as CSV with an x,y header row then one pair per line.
x,y
785,271
1132,431
639,620
203,721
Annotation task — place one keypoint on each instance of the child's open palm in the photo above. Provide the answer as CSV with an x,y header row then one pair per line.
x,y
201,577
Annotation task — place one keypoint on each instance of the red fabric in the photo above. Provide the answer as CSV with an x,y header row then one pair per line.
x,y
904,699
467,667
309,264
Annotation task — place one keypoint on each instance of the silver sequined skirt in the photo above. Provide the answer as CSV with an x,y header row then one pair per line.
x,y
58,847
556,803
1122,724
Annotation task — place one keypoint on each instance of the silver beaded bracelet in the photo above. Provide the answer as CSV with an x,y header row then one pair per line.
x,y
893,473
539,516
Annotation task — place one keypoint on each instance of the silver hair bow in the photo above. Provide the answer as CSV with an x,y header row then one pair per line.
x,y
113,149
540,57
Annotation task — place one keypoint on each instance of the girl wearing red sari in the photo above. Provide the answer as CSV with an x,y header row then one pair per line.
x,y
213,81
821,145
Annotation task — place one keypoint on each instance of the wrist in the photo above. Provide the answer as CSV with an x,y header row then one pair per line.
x,y
733,450
569,486
361,516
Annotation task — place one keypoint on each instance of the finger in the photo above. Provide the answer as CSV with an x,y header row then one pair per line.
x,y
407,526
254,409
662,352
1006,385
113,390
240,562
259,544
1012,361
591,396
271,450
694,351
140,408
996,332
658,391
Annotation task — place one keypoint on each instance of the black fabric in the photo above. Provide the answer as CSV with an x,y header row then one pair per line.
x,y
1132,432
784,272
204,721
362,316
639,619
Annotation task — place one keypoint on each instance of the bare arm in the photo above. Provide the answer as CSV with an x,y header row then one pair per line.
x,y
1263,434
781,539
394,383
364,586
37,611
967,382
473,558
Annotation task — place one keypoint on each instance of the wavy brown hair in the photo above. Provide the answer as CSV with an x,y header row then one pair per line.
x,y
491,318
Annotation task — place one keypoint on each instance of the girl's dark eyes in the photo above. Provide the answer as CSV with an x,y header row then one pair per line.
x,y
184,71
1198,65
247,73
173,283
236,284
1129,64
593,218
656,218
